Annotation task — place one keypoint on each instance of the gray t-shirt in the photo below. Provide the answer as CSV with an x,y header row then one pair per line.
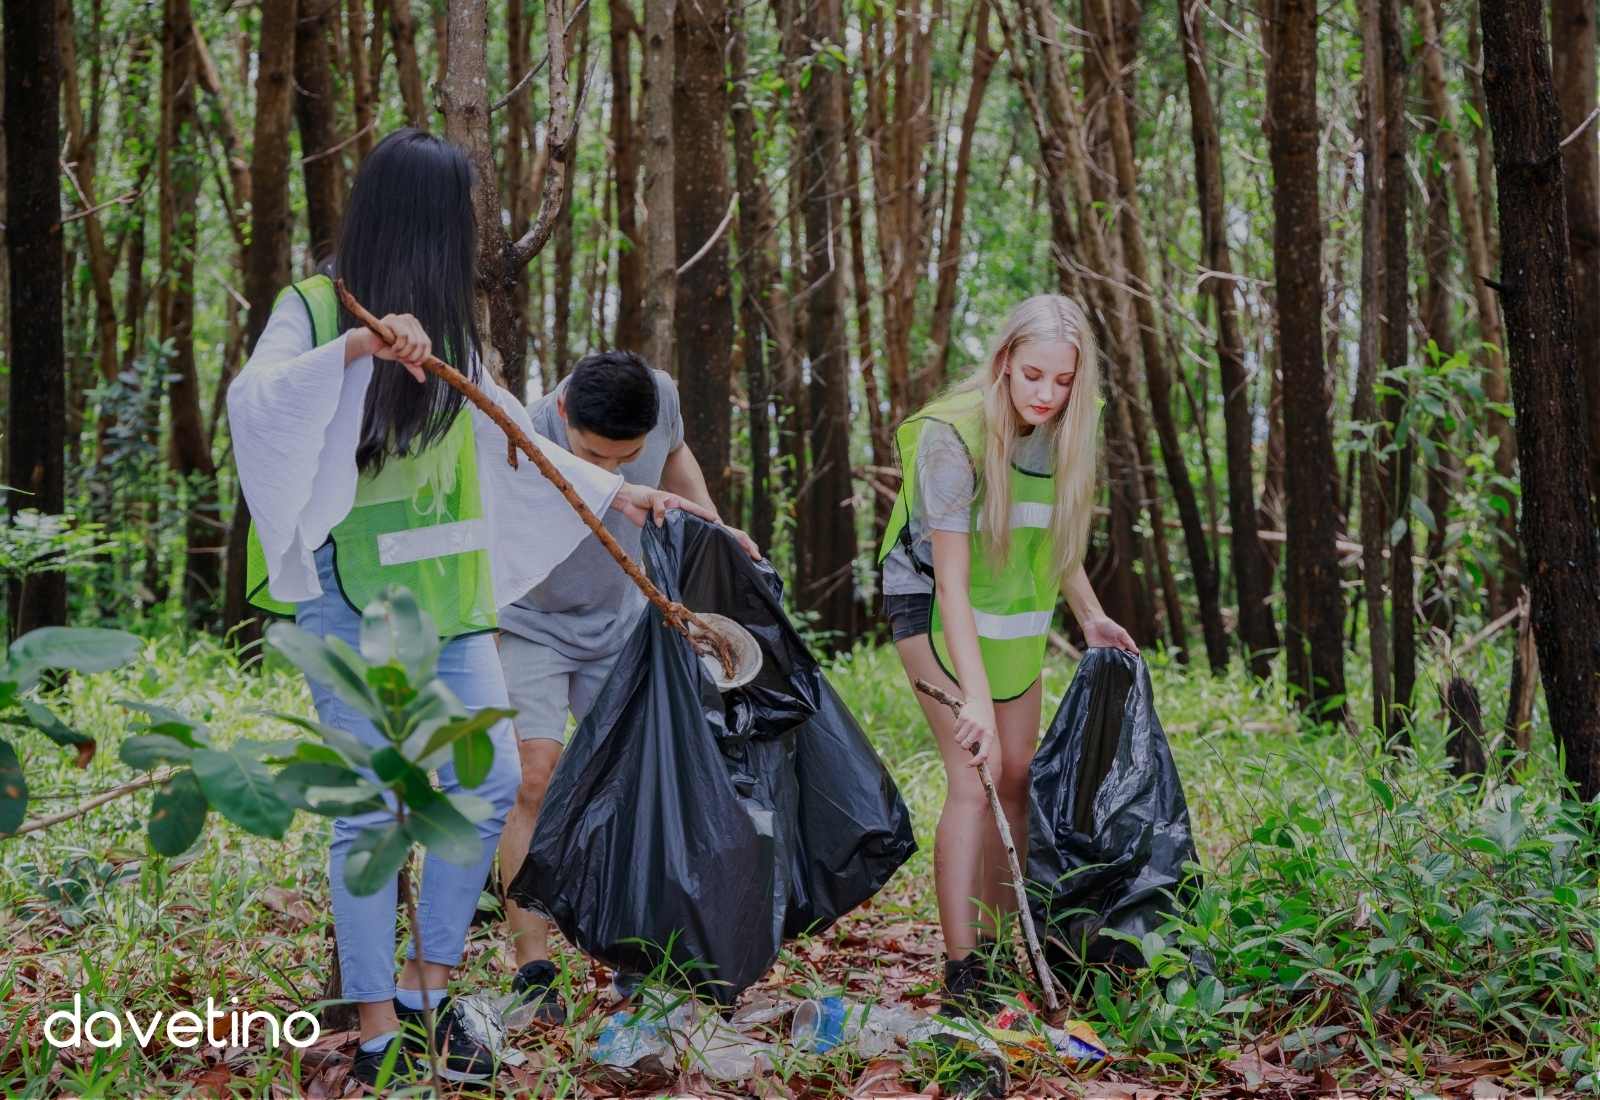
x,y
587,606
946,489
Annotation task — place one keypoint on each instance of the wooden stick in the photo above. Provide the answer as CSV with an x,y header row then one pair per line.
x,y
1024,915
33,825
679,617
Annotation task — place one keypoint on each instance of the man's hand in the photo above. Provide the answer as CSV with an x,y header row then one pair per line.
x,y
1102,631
746,543
640,504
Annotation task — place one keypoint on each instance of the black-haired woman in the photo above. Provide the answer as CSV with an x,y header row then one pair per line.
x,y
362,471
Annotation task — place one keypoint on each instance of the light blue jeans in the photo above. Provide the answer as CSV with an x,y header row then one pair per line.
x,y
365,926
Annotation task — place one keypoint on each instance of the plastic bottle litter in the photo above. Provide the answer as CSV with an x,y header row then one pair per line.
x,y
642,1038
824,1023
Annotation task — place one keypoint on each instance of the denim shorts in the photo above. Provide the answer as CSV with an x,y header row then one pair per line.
x,y
909,615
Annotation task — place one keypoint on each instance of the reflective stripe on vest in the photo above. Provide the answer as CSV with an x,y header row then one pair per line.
x,y
417,523
1013,605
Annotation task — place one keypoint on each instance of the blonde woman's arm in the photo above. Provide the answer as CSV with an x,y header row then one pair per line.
x,y
1098,629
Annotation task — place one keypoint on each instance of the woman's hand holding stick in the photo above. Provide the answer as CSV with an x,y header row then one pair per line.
x,y
678,616
1024,915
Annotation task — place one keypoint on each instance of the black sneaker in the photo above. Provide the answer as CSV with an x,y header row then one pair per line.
x,y
369,1062
536,999
462,1058
965,988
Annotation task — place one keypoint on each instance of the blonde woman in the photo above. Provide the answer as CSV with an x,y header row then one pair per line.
x,y
988,530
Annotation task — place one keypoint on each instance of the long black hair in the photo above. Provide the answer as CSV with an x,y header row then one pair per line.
x,y
409,244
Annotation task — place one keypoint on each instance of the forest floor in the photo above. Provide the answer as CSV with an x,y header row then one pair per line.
x,y
1375,926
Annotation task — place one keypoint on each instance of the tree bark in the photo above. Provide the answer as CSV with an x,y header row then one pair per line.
x,y
518,138
660,291
363,96
1440,475
1396,333
1157,376
1252,573
877,416
625,150
828,535
1316,605
1480,268
757,229
1572,36
403,32
36,406
315,112
700,202
1558,533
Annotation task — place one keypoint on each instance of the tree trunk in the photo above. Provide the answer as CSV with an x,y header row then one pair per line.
x,y
1157,376
36,405
700,201
757,230
661,253
1252,573
1437,606
828,535
315,112
1479,268
1316,604
1558,533
877,417
403,31
363,93
624,143
984,56
1572,35
1396,332
1465,744
518,137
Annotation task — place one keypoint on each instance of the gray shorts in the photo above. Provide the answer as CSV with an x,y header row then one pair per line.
x,y
545,685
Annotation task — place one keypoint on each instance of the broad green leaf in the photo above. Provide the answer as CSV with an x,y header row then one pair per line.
x,y
294,783
390,684
177,814
79,648
42,719
340,741
439,827
376,857
448,734
1381,789
474,757
1420,509
13,790
241,789
342,801
394,628
149,751
173,723
322,662
308,752
471,806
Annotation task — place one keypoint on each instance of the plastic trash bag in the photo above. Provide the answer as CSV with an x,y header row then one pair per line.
x,y
700,829
1109,832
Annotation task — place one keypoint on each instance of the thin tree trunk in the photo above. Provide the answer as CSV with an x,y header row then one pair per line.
x,y
1572,35
1558,533
700,202
828,536
984,57
1157,376
1396,332
660,291
1435,309
518,131
315,112
1252,572
1316,604
757,230
363,97
625,150
36,404
228,133
1364,404
1480,268
403,32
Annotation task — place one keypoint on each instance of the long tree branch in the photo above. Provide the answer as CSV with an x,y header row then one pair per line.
x,y
559,130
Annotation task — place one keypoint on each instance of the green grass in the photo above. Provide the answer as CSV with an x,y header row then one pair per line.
x,y
1371,921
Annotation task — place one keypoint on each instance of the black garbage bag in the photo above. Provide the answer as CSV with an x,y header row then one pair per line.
x,y
1109,833
699,828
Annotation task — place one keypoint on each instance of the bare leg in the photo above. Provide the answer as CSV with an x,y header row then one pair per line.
x,y
1017,724
959,842
530,934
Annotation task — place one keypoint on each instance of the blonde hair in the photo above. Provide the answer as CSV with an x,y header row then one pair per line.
x,y
1044,317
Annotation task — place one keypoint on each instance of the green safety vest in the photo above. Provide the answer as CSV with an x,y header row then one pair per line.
x,y
1014,605
418,522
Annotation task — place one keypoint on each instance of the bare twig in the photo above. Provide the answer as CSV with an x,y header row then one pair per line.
x,y
330,150
1024,915
679,617
722,227
33,825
